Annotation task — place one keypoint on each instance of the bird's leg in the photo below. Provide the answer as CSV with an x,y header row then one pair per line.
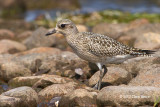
x,y
100,79
103,71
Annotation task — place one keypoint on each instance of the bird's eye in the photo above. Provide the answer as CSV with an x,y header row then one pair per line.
x,y
63,25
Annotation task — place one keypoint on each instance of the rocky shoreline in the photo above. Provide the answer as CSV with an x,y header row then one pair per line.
x,y
43,71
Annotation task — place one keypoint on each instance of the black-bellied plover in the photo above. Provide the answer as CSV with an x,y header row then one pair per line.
x,y
96,48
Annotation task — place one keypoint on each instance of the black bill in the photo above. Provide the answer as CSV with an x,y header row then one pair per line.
x,y
50,32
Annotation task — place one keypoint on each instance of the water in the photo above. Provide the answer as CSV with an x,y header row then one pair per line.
x,y
88,6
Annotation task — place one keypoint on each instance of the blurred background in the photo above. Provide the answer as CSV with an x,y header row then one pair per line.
x,y
31,10
26,53
109,17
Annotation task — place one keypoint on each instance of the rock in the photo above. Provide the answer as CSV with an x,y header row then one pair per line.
x,y
27,95
136,23
79,97
56,90
111,30
45,50
148,41
13,69
6,34
3,86
38,39
17,26
152,73
114,76
59,64
129,37
6,101
38,81
5,57
82,28
9,46
6,3
31,61
142,67
128,96
24,35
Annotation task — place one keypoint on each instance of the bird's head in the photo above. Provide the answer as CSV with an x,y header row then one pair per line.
x,y
65,27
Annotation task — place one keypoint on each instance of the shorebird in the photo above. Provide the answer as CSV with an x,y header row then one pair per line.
x,y
96,48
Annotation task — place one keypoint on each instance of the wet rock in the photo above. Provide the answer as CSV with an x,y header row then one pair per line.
x,y
9,46
111,30
38,81
129,37
128,96
79,97
38,39
6,34
82,28
13,69
114,76
27,95
6,101
45,50
148,41
56,90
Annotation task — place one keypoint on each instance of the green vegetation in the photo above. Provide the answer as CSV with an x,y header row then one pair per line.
x,y
109,16
156,102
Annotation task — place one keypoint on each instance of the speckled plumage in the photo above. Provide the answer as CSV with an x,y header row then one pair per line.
x,y
96,48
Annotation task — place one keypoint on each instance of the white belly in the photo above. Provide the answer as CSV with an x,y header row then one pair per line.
x,y
117,59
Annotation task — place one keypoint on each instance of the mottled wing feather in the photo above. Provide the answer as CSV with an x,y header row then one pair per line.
x,y
103,46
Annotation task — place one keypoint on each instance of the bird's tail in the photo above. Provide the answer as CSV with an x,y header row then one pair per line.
x,y
140,52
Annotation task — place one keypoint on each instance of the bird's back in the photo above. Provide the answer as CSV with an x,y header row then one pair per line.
x,y
100,47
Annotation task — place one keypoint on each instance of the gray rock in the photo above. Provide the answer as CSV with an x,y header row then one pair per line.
x,y
38,39
27,95
128,96
79,97
114,76
11,69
